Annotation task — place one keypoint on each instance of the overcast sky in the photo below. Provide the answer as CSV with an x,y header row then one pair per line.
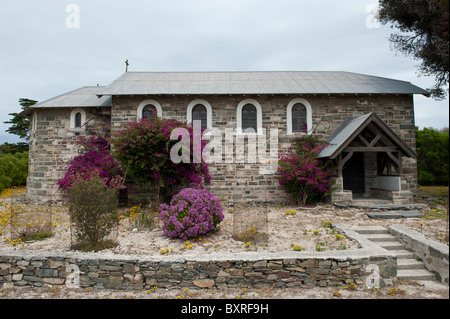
x,y
46,51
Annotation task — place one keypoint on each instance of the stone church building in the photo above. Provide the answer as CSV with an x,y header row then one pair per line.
x,y
368,121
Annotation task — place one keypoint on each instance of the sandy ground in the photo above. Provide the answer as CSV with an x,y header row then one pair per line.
x,y
307,228
403,290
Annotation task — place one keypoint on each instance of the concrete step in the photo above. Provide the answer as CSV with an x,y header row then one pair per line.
x,y
415,274
376,238
370,230
394,214
403,254
405,264
392,245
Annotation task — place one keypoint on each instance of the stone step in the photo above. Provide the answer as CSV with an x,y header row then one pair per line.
x,y
376,238
394,214
370,230
405,264
403,254
392,245
415,274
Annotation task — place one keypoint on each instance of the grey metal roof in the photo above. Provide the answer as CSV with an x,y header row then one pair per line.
x,y
82,97
342,134
139,83
346,132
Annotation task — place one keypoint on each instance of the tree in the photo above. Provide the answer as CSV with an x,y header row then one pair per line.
x,y
20,122
433,156
424,36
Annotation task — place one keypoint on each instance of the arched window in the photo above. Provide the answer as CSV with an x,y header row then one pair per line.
x,y
149,111
249,117
199,113
299,124
34,121
200,110
299,117
147,108
78,120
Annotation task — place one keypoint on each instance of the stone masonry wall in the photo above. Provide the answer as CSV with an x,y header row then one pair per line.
x,y
243,181
52,145
252,270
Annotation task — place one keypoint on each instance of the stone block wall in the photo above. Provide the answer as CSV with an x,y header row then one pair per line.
x,y
252,270
52,145
243,181
432,253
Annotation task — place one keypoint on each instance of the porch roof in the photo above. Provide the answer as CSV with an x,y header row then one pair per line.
x,y
351,128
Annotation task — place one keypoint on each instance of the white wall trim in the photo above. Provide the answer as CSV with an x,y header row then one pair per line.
x,y
258,116
144,103
208,112
34,121
83,119
308,116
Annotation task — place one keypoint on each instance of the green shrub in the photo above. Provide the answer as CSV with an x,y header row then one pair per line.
x,y
13,169
93,214
433,156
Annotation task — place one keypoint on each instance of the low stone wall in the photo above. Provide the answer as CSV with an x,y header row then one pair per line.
x,y
432,253
247,269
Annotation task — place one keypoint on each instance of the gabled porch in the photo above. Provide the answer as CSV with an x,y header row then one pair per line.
x,y
368,157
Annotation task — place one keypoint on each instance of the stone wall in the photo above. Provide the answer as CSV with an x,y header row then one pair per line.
x,y
252,270
433,254
52,145
244,181
246,269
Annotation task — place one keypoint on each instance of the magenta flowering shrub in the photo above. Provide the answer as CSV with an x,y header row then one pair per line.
x,y
96,160
191,213
143,149
302,174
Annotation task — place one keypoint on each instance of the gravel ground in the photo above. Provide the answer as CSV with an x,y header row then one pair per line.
x,y
308,228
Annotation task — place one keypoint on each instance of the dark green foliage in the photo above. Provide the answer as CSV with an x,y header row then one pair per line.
x,y
13,169
93,214
424,35
20,122
433,156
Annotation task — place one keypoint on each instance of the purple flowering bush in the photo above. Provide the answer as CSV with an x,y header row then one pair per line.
x,y
191,213
143,149
95,161
301,173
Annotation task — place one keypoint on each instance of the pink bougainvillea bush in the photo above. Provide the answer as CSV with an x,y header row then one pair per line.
x,y
302,174
95,161
143,149
191,213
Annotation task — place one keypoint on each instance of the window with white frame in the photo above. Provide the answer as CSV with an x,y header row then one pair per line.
x,y
200,110
77,119
249,117
34,121
299,117
148,109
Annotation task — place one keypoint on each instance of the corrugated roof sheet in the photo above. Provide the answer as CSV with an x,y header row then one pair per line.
x,y
343,135
82,97
306,82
